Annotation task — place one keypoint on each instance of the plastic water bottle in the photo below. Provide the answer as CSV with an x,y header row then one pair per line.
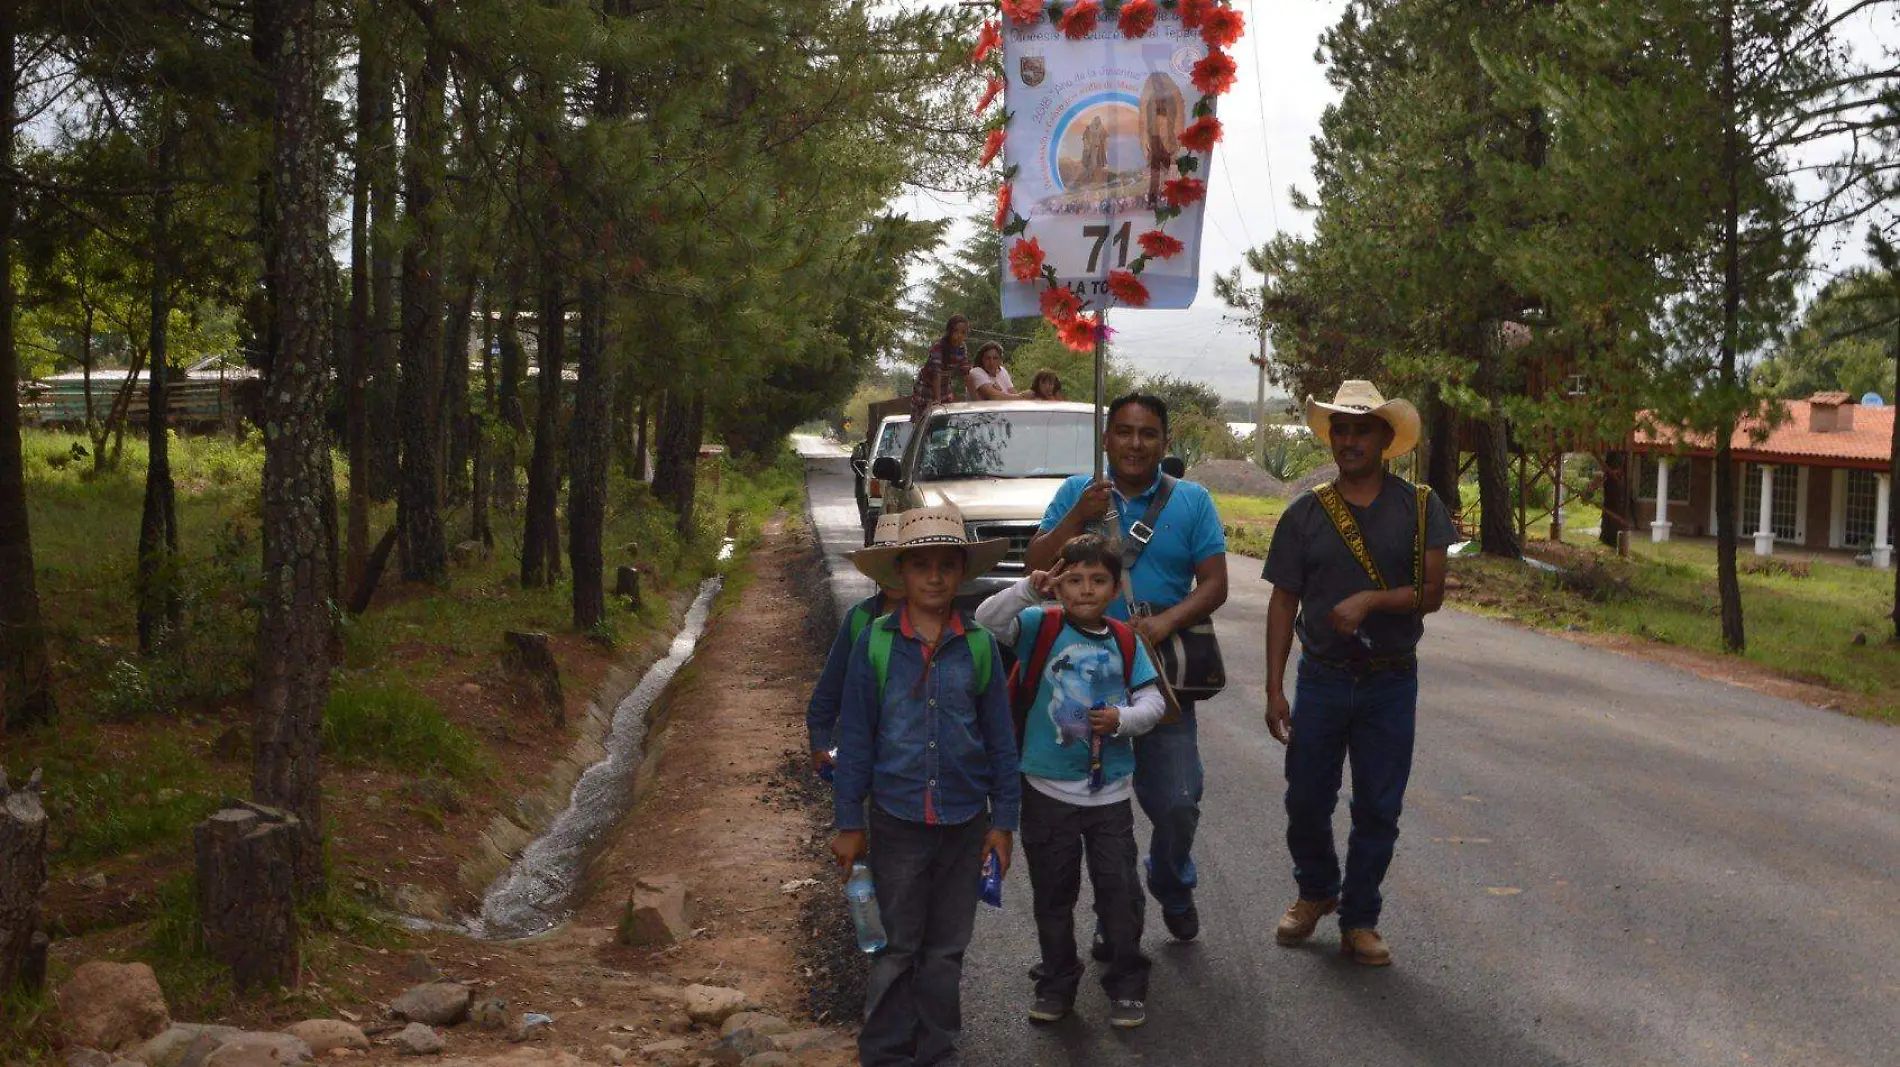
x,y
861,896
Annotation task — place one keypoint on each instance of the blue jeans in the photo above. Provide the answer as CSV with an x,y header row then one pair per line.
x,y
1372,718
1168,786
926,878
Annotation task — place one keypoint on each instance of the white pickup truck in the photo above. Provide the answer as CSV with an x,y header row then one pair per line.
x,y
1000,462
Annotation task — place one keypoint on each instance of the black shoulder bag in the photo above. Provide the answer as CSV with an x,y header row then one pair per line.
x,y
1190,659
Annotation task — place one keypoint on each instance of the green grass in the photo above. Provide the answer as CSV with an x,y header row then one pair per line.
x,y
386,722
1249,521
1804,628
109,796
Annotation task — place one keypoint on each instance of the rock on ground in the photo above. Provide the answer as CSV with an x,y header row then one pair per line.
x,y
756,1021
259,1050
659,913
183,1045
435,1003
491,1014
768,1059
710,1005
804,1040
322,1035
419,1040
110,1006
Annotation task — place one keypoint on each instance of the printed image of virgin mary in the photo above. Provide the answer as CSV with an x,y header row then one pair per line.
x,y
1162,114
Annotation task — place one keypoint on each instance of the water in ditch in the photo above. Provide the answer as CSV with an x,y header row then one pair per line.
x,y
538,891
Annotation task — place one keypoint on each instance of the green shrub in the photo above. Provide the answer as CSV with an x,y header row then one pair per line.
x,y
392,724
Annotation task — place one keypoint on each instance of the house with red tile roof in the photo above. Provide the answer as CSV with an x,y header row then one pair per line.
x,y
1816,477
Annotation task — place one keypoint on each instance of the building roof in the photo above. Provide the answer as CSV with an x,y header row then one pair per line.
x,y
1868,445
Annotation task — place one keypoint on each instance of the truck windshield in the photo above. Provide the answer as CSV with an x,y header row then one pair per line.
x,y
1007,444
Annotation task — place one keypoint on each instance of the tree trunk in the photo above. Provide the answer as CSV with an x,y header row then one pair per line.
x,y
587,460
385,425
626,409
157,582
455,409
1728,583
640,469
356,374
294,623
1616,499
508,407
1893,485
676,466
22,877
26,675
247,863
425,554
540,543
1441,458
1497,531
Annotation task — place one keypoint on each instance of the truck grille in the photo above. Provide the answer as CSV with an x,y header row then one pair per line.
x,y
1019,535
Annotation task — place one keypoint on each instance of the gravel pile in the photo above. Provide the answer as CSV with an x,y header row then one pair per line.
x,y
1236,476
1322,474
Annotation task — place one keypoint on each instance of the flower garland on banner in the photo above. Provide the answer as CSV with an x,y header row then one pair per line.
x,y
1213,75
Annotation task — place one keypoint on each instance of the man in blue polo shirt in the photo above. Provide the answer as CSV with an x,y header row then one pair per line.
x,y
1182,578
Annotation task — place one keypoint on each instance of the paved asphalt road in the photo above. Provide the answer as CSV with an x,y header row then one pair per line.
x,y
1603,861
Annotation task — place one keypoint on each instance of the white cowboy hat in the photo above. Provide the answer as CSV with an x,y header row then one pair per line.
x,y
1356,397
923,528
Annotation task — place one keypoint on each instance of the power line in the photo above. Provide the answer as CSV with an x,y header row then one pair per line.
x,y
1260,94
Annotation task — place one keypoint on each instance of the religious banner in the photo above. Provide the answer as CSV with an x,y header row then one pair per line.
x,y
1106,134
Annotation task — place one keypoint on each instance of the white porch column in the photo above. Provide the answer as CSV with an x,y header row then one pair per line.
x,y
1659,530
1883,508
1765,528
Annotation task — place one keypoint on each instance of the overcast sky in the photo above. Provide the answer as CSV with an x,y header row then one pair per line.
x,y
1270,118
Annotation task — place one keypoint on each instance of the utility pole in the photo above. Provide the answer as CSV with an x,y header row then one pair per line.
x,y
1260,399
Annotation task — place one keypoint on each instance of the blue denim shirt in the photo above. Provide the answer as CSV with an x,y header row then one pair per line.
x,y
821,712
931,748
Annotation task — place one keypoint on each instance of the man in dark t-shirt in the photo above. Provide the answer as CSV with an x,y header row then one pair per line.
x,y
1356,565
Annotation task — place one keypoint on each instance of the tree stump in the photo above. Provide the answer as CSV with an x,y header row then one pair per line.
x,y
627,584
22,876
247,881
530,658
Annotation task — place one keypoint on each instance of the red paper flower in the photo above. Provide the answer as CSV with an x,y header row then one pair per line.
x,y
1059,305
1184,191
1214,74
989,95
992,146
1079,20
1002,206
1159,245
1079,332
1194,12
1127,288
1201,134
986,42
1025,260
1221,27
1138,17
1023,12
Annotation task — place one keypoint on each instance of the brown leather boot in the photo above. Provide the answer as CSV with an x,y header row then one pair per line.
x,y
1365,946
1302,919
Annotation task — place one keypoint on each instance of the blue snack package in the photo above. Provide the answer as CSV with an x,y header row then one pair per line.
x,y
830,769
990,885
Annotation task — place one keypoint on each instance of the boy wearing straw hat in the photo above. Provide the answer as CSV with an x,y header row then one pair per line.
x,y
821,712
925,735
1356,565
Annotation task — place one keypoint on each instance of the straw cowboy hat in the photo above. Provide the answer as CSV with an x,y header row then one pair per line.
x,y
884,534
1356,397
926,528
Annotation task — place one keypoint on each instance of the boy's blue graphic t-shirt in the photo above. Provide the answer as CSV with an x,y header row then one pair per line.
x,y
1084,671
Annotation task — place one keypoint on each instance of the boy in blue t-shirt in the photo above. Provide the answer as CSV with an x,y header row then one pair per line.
x,y
1086,687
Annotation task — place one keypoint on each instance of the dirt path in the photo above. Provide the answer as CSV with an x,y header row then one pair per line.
x,y
722,809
